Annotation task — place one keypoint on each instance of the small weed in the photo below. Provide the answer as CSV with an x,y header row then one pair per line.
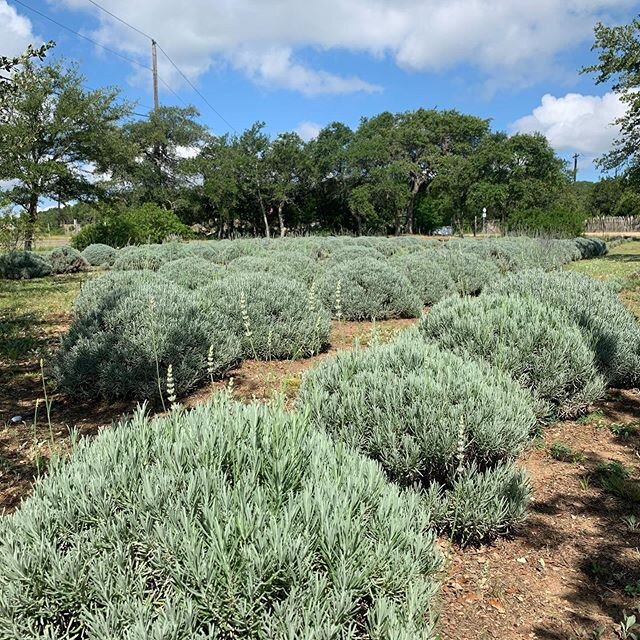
x,y
633,589
614,478
291,385
612,469
628,628
564,453
590,418
585,483
632,523
539,442
623,431
599,571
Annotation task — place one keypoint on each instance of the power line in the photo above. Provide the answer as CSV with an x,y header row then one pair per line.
x,y
196,89
80,35
113,15
97,44
119,19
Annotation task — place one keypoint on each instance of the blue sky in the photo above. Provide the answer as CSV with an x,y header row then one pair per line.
x,y
298,65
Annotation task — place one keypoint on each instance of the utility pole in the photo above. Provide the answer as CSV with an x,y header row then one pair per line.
x,y
154,66
575,167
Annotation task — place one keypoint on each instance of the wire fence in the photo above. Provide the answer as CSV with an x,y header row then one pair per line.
x,y
613,224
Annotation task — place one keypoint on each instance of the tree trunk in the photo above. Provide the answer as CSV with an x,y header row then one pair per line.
x,y
358,223
267,230
32,212
283,229
415,188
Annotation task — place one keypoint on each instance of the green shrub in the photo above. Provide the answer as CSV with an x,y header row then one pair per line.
x,y
591,247
534,342
273,316
127,332
99,255
555,222
481,504
353,252
206,250
155,224
287,264
411,406
23,265
608,326
150,256
227,521
191,273
564,453
67,260
430,278
469,272
367,288
115,231
516,253
147,223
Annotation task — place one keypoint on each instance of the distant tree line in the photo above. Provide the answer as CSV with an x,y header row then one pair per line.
x,y
395,173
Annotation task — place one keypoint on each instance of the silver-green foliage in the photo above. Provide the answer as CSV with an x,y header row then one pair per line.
x,y
129,327
417,409
100,255
287,264
538,345
445,424
191,273
350,252
609,327
273,316
516,253
206,249
591,247
149,256
481,503
470,272
430,278
367,288
67,260
229,521
23,265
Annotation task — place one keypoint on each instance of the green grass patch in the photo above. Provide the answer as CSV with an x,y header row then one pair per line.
x,y
621,263
30,309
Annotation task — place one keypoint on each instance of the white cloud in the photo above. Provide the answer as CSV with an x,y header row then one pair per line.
x,y
575,122
15,31
308,130
275,68
507,40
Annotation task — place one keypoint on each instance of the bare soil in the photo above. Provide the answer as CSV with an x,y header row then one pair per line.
x,y
564,574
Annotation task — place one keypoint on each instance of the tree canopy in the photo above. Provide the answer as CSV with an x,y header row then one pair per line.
x,y
618,50
400,172
55,136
